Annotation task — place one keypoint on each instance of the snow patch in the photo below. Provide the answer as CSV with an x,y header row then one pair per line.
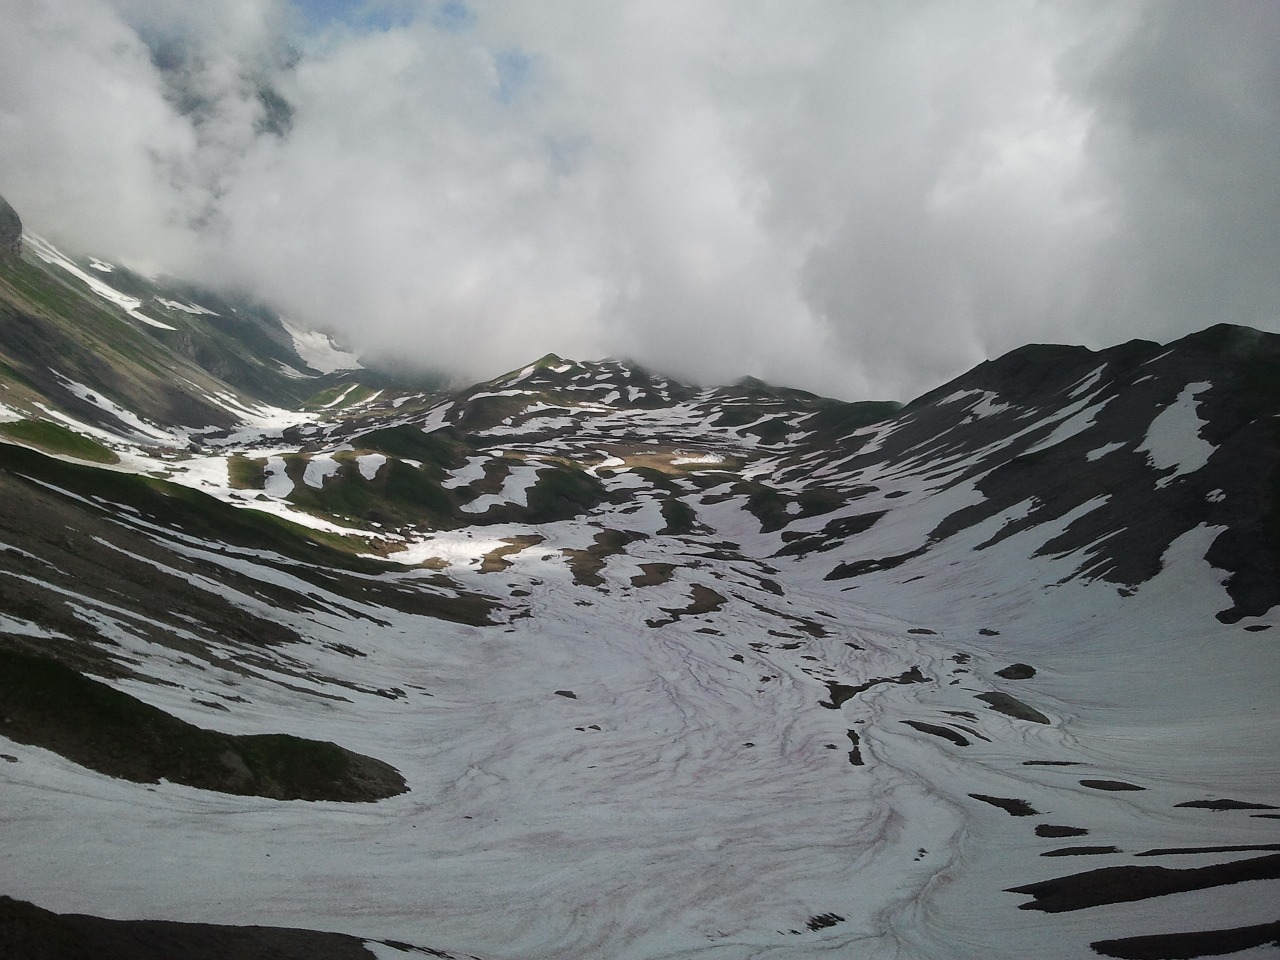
x,y
1086,383
278,485
25,628
515,489
340,397
319,351
370,464
697,458
1102,451
436,418
190,308
319,469
50,254
1173,440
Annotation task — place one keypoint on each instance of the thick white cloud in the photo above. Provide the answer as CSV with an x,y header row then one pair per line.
x,y
862,199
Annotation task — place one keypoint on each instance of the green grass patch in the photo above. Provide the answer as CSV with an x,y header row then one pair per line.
x,y
409,443
55,438
194,513
399,494
328,395
246,473
52,706
562,493
486,412
840,418
657,478
817,501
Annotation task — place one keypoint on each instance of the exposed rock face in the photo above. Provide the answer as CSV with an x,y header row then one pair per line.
x,y
10,230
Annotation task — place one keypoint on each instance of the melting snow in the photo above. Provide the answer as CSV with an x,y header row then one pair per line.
x,y
515,489
370,464
25,628
340,397
190,308
278,485
50,254
144,430
319,468
468,473
318,351
436,418
1103,450
1173,439
1068,428
1085,384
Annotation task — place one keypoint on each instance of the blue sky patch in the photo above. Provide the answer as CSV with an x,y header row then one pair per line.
x,y
515,68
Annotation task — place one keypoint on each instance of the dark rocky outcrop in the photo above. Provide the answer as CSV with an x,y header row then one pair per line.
x,y
45,703
28,932
10,230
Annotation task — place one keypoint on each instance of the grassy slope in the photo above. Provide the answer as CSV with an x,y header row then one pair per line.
x,y
55,438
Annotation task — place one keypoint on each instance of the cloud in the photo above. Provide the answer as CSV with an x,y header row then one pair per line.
x,y
1187,118
859,199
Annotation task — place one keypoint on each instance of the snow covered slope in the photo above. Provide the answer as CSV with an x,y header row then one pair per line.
x,y
667,671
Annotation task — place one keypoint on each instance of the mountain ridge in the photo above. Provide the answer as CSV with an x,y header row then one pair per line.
x,y
665,670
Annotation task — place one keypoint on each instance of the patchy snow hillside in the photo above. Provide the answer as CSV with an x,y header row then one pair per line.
x,y
583,662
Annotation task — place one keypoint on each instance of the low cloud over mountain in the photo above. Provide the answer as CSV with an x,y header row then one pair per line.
x,y
860,199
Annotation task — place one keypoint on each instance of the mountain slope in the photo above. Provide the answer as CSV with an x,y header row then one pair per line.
x,y
667,671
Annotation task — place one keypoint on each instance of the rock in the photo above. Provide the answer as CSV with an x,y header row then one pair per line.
x,y
10,230
1017,671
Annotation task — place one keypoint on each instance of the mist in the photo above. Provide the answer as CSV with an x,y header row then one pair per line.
x,y
858,199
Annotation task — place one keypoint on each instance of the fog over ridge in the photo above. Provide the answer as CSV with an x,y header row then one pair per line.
x,y
858,199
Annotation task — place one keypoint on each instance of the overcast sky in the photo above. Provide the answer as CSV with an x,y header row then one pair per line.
x,y
859,198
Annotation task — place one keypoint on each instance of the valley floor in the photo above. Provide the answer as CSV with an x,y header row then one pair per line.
x,y
742,761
